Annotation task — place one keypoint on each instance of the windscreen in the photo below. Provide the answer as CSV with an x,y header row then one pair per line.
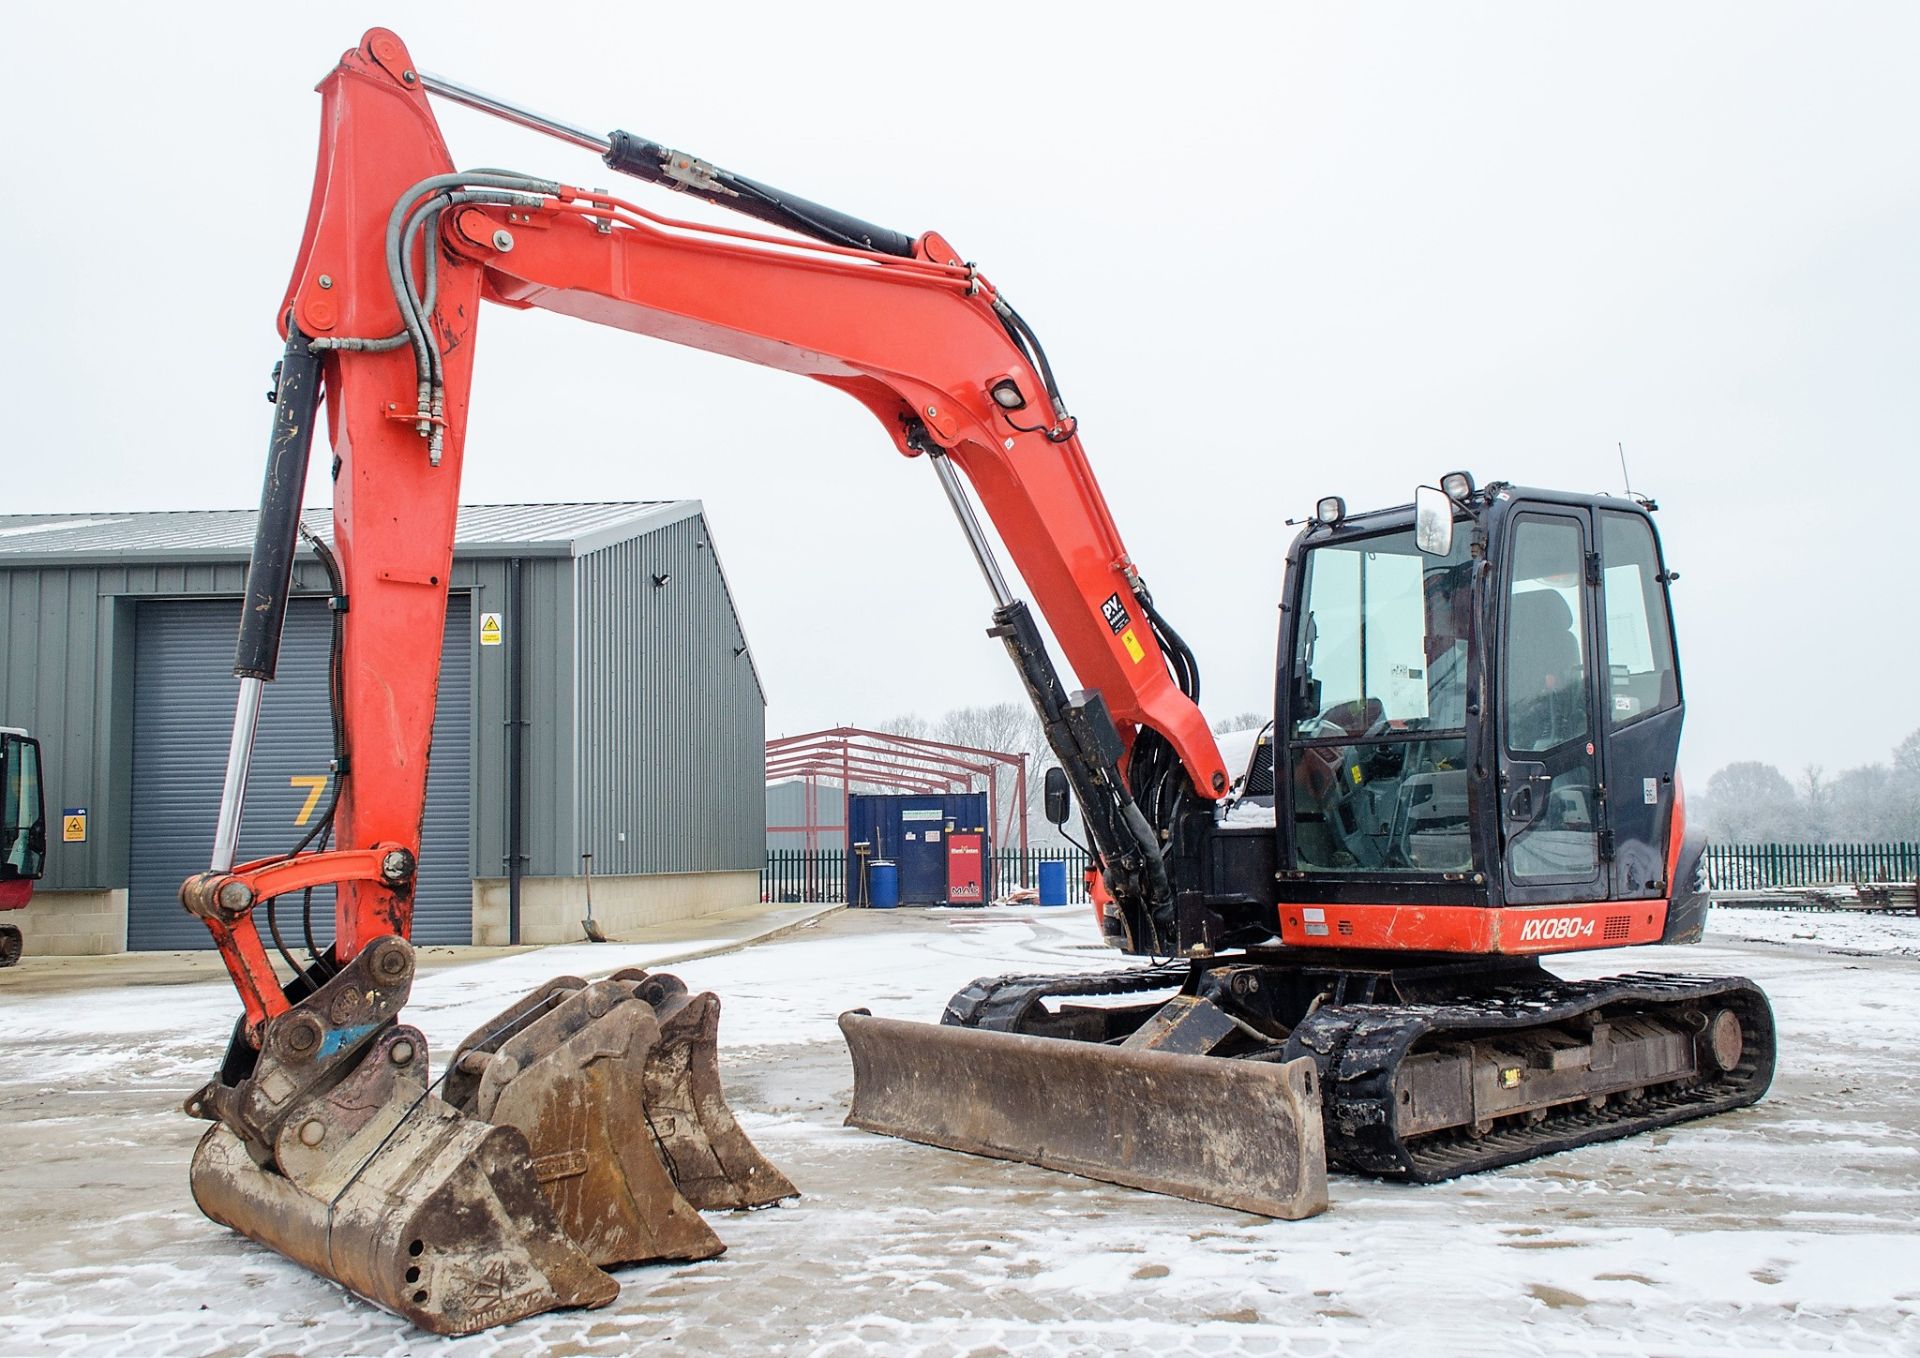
x,y
1377,755
1385,636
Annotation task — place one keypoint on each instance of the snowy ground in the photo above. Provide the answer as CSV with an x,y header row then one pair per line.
x,y
1866,932
1788,1227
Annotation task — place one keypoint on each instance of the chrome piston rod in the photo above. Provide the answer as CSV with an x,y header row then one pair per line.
x,y
511,112
970,525
233,792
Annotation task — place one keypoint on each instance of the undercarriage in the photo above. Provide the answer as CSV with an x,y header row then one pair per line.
x,y
1426,1069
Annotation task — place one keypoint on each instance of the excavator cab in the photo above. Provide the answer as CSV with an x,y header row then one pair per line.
x,y
1478,716
23,830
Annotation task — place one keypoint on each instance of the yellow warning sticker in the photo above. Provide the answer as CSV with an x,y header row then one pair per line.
x,y
489,629
1358,776
1132,643
73,825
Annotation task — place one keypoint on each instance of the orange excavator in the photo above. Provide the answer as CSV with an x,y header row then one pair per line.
x,y
1471,765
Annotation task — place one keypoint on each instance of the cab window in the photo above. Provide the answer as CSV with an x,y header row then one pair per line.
x,y
1377,753
1546,637
1640,671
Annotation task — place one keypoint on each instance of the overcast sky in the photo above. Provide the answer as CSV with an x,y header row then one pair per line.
x,y
1273,255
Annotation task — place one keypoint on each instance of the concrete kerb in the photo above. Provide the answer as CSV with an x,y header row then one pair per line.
x,y
778,931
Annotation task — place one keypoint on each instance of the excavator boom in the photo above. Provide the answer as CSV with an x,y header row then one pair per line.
x,y
584,1127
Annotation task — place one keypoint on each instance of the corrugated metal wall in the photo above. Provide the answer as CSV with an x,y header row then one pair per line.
x,y
673,720
67,675
668,721
183,715
547,632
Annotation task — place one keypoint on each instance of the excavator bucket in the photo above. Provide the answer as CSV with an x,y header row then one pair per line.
x,y
1242,1134
401,1199
581,1129
712,1162
616,1087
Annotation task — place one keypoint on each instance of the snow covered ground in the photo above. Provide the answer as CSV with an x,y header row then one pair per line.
x,y
1861,932
1788,1227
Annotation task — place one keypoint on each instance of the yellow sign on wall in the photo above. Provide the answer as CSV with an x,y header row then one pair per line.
x,y
73,825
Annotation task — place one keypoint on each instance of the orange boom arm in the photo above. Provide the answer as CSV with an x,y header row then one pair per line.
x,y
919,338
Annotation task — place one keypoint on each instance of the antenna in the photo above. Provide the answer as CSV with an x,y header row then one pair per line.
x,y
1623,469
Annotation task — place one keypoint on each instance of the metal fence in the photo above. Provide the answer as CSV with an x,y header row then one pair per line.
x,y
821,874
1754,867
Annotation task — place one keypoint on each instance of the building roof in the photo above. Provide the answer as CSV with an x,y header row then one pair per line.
x,y
227,534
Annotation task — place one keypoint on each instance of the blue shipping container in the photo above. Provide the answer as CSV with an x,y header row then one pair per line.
x,y
911,831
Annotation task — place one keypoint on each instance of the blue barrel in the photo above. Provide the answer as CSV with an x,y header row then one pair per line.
x,y
883,885
1053,882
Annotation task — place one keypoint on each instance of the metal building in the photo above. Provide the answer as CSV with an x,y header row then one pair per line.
x,y
639,738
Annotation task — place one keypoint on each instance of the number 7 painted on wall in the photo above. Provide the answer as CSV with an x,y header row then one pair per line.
x,y
315,784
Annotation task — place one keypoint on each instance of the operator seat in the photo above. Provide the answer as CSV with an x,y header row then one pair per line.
x,y
1543,672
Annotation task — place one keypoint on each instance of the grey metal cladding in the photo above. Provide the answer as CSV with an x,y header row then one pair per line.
x,y
673,721
184,705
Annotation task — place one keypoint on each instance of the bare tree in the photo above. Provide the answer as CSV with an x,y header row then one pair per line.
x,y
1240,721
1816,803
1753,803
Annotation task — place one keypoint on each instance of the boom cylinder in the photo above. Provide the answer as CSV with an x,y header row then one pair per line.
x,y
296,401
270,571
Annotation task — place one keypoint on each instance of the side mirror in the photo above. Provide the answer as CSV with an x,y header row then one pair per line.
x,y
1432,521
1306,699
1059,804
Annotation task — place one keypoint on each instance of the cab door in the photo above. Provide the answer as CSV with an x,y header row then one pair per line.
x,y
1550,775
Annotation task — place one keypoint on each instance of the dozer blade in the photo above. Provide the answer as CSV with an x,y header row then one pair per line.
x,y
1241,1134
401,1199
572,1080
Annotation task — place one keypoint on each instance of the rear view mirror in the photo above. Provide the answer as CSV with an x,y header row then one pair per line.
x,y
1432,521
1059,804
1306,699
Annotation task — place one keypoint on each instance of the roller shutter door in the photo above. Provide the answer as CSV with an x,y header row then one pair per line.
x,y
183,718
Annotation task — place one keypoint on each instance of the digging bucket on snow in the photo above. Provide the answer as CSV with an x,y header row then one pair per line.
x,y
1241,1134
404,1201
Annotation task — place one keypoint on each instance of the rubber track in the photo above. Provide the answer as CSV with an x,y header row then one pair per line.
x,y
1360,1048
1002,1003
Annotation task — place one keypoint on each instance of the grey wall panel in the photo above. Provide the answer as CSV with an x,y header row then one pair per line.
x,y
52,682
673,721
183,713
787,805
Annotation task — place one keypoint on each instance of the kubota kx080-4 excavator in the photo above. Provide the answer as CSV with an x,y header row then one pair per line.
x,y
1472,765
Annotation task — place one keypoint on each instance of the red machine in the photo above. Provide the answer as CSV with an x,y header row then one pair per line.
x,y
1446,791
23,831
966,868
